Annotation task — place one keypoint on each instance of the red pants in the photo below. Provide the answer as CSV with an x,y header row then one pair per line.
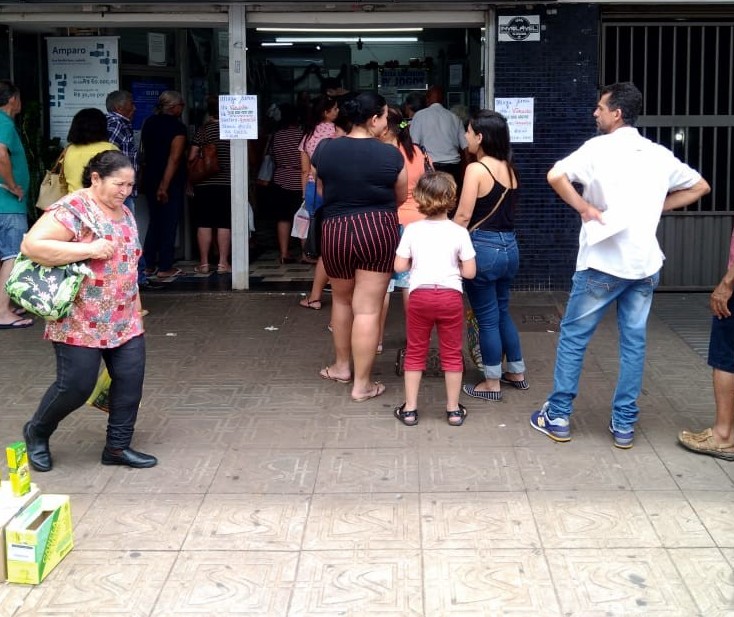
x,y
443,308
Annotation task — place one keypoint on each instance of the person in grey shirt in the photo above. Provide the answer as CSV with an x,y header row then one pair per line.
x,y
441,133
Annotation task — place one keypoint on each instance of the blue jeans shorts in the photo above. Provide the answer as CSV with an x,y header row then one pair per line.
x,y
721,344
12,228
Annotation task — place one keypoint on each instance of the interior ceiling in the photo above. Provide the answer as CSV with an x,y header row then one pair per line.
x,y
275,6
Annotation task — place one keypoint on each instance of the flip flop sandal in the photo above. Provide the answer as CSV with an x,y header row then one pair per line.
x,y
520,385
409,418
311,304
458,416
203,269
165,278
482,394
324,373
379,389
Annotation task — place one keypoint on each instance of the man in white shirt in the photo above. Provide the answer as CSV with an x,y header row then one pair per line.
x,y
442,134
628,181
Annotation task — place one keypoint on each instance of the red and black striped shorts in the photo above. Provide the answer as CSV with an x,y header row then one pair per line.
x,y
365,241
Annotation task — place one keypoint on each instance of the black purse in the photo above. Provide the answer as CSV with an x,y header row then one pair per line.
x,y
312,246
427,165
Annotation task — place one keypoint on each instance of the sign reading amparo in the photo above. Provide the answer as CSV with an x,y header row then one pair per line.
x,y
82,71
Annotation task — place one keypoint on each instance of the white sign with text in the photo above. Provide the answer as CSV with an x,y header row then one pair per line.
x,y
82,71
238,116
519,115
518,28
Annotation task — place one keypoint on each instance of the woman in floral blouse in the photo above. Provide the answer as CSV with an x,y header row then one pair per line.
x,y
105,322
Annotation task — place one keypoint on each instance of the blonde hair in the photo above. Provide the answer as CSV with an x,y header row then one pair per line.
x,y
168,99
435,193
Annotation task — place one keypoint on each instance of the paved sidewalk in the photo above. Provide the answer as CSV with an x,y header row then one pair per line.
x,y
276,495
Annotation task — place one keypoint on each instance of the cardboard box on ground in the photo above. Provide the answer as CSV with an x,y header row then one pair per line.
x,y
35,530
10,506
38,538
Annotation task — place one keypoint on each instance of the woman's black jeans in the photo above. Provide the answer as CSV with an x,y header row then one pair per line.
x,y
77,369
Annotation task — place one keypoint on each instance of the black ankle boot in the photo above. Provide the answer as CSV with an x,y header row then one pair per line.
x,y
39,455
128,457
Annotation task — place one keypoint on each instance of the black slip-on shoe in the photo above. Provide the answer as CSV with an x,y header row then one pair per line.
x,y
128,457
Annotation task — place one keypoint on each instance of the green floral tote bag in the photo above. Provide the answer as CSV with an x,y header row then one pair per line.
x,y
47,291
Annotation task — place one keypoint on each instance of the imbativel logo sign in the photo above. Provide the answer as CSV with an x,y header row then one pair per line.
x,y
519,28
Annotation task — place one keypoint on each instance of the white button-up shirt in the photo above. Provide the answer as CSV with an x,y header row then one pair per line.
x,y
629,177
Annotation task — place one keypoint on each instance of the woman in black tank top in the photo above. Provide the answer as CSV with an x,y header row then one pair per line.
x,y
486,209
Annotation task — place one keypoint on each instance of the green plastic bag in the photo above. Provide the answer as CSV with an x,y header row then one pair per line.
x,y
100,397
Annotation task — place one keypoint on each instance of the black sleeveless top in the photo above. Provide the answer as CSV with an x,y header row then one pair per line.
x,y
504,218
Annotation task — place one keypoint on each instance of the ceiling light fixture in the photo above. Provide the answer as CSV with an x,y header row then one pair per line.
x,y
337,30
347,39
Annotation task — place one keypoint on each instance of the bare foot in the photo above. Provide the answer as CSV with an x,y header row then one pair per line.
x,y
375,391
332,374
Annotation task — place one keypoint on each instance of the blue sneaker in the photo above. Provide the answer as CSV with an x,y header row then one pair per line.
x,y
622,439
558,429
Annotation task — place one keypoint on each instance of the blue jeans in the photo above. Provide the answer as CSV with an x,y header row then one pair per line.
x,y
12,228
591,295
160,240
498,260
130,203
76,375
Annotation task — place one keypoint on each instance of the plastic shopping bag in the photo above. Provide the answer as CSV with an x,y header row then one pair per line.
x,y
101,393
301,221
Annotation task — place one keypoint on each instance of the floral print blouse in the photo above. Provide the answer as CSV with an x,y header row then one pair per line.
x,y
105,313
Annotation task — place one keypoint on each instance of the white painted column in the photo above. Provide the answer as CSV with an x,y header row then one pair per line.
x,y
238,151
490,56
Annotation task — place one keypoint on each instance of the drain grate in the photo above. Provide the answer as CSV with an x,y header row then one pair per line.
x,y
536,318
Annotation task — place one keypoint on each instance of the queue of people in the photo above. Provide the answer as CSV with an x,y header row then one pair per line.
x,y
385,214
615,170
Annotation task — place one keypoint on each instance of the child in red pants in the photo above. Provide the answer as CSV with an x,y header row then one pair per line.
x,y
438,253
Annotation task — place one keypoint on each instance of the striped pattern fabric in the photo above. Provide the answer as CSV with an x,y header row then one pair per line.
x,y
364,241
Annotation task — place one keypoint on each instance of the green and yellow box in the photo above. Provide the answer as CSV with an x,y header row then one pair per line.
x,y
20,473
10,507
38,539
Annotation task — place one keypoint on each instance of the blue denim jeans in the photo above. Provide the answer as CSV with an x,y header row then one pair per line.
x,y
76,375
12,228
159,248
592,294
130,203
498,260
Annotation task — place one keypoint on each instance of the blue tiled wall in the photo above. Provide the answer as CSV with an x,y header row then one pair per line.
x,y
561,73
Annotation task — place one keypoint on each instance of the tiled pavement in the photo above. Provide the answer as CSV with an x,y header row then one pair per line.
x,y
277,496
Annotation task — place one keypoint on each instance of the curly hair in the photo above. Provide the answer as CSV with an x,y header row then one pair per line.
x,y
435,193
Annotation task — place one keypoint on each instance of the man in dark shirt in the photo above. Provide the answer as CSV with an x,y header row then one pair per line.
x,y
120,112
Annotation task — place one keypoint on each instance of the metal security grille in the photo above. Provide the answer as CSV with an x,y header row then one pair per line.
x,y
685,71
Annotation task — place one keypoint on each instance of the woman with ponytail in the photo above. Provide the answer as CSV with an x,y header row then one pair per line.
x,y
363,180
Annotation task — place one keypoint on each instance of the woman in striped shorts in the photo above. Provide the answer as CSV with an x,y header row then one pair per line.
x,y
363,180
